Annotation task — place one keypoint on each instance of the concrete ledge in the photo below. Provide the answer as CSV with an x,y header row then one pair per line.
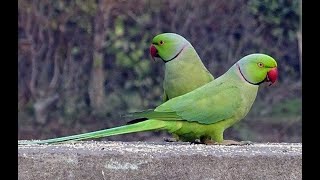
x,y
141,160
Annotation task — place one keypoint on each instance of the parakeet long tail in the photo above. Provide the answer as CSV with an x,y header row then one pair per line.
x,y
131,128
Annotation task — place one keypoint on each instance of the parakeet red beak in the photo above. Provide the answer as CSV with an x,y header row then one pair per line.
x,y
153,52
272,76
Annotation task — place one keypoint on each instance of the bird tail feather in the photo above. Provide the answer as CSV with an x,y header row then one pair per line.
x,y
147,125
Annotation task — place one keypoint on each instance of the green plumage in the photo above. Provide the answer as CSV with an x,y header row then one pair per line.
x,y
205,112
137,127
184,70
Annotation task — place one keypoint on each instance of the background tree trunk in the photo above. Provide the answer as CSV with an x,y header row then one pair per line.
x,y
97,78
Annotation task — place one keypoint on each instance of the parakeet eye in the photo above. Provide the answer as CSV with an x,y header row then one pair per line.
x,y
161,42
260,64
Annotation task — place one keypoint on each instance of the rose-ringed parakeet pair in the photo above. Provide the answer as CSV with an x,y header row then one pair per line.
x,y
203,113
184,70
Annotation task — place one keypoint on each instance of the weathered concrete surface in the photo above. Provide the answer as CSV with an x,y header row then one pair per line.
x,y
139,160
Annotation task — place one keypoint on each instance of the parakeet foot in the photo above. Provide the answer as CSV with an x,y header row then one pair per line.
x,y
209,142
206,140
197,141
232,142
170,139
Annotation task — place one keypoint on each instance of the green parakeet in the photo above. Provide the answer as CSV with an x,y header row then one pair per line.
x,y
203,113
184,70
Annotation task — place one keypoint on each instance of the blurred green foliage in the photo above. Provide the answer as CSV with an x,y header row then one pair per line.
x,y
76,56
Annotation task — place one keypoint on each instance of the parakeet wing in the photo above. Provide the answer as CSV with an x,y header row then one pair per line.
x,y
202,105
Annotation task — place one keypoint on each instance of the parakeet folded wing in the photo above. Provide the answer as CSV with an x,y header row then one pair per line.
x,y
205,107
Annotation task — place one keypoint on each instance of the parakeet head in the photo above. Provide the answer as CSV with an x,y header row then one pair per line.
x,y
258,68
167,46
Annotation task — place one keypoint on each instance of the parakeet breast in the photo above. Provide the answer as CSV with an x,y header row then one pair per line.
x,y
185,74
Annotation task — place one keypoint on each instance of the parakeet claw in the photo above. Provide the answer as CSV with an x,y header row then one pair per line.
x,y
170,139
197,141
246,143
232,142
209,142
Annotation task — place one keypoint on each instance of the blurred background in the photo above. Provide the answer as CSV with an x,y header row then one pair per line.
x,y
83,63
